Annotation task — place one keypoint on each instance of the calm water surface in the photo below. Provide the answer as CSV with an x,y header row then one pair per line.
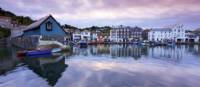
x,y
104,66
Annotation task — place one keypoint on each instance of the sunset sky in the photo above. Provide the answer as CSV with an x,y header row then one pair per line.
x,y
83,13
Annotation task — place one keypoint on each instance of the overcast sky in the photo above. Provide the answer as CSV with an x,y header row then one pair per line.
x,y
83,13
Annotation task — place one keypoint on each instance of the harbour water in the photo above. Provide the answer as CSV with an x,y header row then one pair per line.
x,y
104,66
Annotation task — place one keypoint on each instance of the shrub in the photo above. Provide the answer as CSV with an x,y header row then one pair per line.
x,y
4,32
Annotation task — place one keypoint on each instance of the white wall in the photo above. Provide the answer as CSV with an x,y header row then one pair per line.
x,y
175,33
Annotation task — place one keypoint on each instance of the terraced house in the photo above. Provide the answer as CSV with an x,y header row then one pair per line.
x,y
126,34
176,33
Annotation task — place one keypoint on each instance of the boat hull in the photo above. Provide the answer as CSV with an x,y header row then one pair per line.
x,y
83,45
31,53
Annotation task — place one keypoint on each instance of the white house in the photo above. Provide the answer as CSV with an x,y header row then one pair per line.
x,y
76,35
179,33
176,34
94,36
86,35
160,34
192,37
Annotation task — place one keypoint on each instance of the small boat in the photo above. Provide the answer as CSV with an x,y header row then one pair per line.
x,y
56,50
83,44
135,43
172,44
40,56
21,53
38,52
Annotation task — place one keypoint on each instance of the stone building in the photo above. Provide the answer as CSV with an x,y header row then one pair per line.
x,y
126,34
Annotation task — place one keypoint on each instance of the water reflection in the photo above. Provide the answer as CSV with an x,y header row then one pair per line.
x,y
49,68
8,59
127,51
194,49
174,54
113,51
107,66
136,52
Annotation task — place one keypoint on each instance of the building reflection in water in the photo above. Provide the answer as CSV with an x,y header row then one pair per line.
x,y
126,51
167,53
194,49
123,51
50,69
113,50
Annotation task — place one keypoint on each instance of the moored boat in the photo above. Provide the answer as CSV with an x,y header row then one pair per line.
x,y
83,44
38,52
56,50
172,44
40,56
21,53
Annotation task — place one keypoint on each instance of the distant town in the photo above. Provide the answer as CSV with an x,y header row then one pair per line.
x,y
23,29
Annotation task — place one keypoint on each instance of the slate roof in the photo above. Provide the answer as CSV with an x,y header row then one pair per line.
x,y
161,29
37,23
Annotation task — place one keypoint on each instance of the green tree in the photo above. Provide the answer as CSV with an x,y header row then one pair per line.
x,y
4,32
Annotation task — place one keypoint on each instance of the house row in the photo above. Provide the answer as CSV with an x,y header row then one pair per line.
x,y
123,34
176,33
50,29
126,34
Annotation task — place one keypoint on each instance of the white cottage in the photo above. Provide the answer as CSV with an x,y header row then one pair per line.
x,y
176,33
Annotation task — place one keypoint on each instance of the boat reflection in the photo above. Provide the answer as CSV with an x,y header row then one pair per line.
x,y
50,68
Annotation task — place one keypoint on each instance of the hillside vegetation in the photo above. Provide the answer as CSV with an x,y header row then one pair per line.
x,y
22,20
4,32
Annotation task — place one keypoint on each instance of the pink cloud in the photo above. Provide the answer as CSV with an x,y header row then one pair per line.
x,y
122,10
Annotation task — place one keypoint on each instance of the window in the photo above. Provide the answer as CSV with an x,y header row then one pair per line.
x,y
49,26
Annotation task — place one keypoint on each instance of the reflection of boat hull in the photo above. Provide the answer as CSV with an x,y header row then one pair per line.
x,y
171,44
38,52
83,45
21,53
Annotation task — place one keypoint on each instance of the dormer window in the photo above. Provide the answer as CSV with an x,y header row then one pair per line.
x,y
49,26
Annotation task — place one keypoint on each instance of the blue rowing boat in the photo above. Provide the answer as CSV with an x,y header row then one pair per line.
x,y
38,52
41,56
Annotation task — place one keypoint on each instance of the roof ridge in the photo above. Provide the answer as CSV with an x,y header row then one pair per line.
x,y
37,23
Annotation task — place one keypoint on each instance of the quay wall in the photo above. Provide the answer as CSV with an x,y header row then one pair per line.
x,y
25,42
